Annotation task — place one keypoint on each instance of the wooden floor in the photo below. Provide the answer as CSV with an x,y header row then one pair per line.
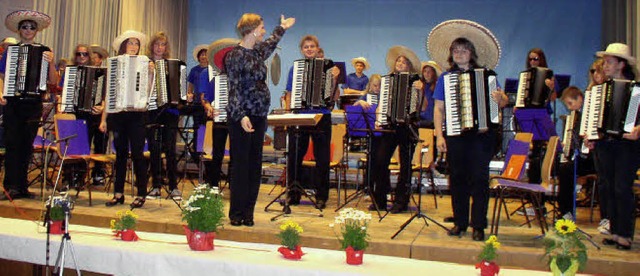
x,y
521,248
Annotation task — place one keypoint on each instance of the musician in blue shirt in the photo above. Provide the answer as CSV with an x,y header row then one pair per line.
x,y
357,82
320,134
22,115
200,56
454,42
429,77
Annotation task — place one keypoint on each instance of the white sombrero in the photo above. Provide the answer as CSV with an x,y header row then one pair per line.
x,y
433,65
620,50
361,60
218,49
99,50
13,19
397,51
129,34
486,44
197,50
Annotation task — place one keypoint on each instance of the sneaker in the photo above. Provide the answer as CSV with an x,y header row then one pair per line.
x,y
604,227
155,193
176,194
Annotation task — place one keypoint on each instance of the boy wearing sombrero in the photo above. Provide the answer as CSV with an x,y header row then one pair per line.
x,y
98,54
21,116
465,45
356,82
200,56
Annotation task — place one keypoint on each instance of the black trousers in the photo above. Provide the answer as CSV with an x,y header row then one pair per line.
x,y
214,168
402,137
469,155
21,120
161,137
128,135
617,166
246,167
566,184
321,137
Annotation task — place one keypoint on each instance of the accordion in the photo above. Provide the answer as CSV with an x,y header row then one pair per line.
x,y
221,94
127,83
312,83
83,88
371,99
399,103
532,90
610,108
468,103
570,127
171,82
26,71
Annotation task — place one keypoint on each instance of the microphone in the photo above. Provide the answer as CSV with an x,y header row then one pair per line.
x,y
65,139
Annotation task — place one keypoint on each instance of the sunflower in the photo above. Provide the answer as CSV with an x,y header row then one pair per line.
x,y
565,226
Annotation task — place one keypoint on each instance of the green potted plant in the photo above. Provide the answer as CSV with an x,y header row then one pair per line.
x,y
564,248
489,253
204,214
354,239
125,225
290,239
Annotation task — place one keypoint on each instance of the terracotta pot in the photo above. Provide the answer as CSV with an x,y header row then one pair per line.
x,y
56,227
128,235
287,253
199,241
488,268
354,257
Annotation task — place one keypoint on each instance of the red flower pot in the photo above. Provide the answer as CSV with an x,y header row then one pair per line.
x,y
199,241
354,257
287,253
127,235
488,268
56,227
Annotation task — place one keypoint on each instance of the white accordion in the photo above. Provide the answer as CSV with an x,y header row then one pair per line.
x,y
127,83
221,94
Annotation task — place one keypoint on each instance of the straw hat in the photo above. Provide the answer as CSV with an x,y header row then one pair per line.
x,y
433,65
197,50
129,34
361,60
13,19
218,49
620,50
99,50
9,41
442,35
397,51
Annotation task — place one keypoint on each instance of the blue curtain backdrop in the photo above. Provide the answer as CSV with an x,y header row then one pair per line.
x,y
568,31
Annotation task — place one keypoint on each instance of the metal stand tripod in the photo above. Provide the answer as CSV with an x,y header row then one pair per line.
x,y
64,244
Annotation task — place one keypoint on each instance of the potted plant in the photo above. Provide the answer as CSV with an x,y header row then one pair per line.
x,y
565,249
204,213
353,225
290,239
489,253
125,225
56,216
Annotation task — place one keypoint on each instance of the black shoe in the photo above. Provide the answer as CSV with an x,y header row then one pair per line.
x,y
398,208
321,204
620,246
115,201
449,220
235,222
457,231
478,234
609,242
137,203
247,222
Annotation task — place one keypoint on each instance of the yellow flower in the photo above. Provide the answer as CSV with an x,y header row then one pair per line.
x,y
113,224
496,245
491,239
290,224
565,226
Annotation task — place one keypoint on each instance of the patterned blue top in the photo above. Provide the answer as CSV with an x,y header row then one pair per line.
x,y
246,70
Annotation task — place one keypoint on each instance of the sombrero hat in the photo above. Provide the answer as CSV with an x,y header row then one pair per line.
x,y
99,50
397,51
433,65
9,41
620,50
197,50
129,34
486,44
13,19
361,60
218,49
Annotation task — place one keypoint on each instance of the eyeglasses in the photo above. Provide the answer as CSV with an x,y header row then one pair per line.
x,y
592,71
82,54
534,59
28,27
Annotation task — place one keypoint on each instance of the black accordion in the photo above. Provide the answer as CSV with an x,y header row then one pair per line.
x,y
127,83
399,103
312,84
83,88
532,90
571,125
610,108
171,82
468,103
26,71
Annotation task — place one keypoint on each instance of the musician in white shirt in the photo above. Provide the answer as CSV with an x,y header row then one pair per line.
x,y
21,116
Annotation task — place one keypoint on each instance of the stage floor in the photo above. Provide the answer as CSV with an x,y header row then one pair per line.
x,y
521,248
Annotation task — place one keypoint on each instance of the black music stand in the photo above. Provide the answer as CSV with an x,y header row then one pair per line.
x,y
189,111
295,186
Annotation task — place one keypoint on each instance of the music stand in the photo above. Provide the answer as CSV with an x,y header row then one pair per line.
x,y
536,121
294,127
